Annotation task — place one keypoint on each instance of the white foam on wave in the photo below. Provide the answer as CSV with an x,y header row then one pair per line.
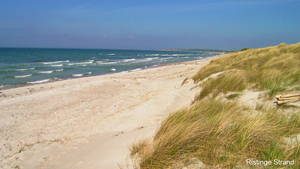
x,y
152,55
105,63
89,62
22,76
39,81
113,69
25,69
176,55
57,65
128,60
89,73
166,58
59,70
77,75
134,70
154,58
146,59
49,63
84,63
153,66
21,69
51,71
111,54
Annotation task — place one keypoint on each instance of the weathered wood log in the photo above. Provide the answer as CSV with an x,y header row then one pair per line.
x,y
281,102
287,95
286,101
288,98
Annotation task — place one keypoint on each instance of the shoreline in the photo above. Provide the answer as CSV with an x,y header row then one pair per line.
x,y
4,87
51,125
152,67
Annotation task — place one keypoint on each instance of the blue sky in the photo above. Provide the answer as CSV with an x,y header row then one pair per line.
x,y
149,24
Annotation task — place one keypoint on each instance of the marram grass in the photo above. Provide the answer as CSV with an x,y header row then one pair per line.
x,y
273,68
219,133
224,134
231,81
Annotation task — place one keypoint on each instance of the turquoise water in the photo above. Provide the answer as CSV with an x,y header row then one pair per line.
x,y
24,66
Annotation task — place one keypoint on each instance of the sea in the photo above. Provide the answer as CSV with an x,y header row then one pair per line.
x,y
27,66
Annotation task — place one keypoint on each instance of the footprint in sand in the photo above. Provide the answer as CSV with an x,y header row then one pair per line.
x,y
140,128
119,133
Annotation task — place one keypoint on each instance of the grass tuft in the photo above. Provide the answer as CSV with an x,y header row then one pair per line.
x,y
231,81
272,68
219,133
225,134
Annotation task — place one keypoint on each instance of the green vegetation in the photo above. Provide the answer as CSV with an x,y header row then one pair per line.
x,y
231,81
244,49
221,132
274,69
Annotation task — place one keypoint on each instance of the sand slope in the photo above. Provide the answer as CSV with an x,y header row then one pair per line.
x,y
89,122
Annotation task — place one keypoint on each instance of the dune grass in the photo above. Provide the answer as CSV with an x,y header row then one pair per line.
x,y
274,69
222,133
231,81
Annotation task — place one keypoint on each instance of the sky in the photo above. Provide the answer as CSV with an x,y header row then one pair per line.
x,y
149,24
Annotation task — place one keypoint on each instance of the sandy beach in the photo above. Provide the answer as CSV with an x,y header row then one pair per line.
x,y
90,122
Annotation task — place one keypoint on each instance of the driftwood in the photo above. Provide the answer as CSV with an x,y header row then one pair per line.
x,y
288,97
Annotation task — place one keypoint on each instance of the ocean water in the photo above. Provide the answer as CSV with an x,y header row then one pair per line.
x,y
25,66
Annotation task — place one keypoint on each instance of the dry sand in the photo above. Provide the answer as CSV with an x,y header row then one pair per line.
x,y
90,122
